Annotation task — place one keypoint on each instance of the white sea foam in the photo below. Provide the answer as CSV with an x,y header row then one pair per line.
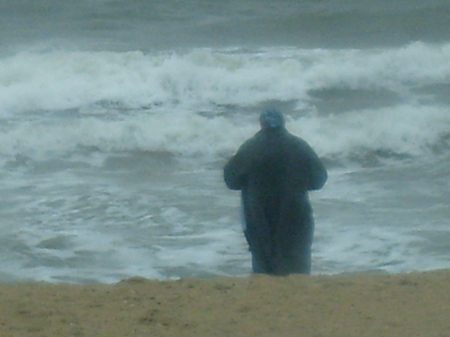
x,y
61,80
402,130
58,101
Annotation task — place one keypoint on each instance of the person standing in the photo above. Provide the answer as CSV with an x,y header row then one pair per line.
x,y
274,170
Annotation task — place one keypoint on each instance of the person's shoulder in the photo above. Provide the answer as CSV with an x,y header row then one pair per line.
x,y
299,142
251,142
295,139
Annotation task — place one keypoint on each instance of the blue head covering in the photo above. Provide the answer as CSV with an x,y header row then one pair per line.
x,y
271,118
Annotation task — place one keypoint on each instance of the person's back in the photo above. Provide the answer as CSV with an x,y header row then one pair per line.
x,y
274,170
278,161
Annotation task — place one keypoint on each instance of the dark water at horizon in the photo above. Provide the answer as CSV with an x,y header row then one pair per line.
x,y
154,25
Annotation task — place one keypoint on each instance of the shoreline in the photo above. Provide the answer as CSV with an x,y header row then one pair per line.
x,y
353,305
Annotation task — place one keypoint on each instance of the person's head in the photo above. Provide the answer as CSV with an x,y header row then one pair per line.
x,y
271,119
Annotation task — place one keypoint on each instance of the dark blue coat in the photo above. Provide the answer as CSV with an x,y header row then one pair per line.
x,y
275,170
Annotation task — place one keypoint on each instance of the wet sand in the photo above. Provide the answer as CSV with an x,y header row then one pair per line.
x,y
414,304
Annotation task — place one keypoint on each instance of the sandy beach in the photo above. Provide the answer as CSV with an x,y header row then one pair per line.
x,y
414,304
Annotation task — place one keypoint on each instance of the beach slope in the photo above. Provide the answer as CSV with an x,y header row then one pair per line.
x,y
414,304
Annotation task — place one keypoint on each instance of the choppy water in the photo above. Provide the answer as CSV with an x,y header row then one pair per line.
x,y
116,118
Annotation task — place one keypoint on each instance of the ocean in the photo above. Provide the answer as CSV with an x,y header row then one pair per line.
x,y
117,117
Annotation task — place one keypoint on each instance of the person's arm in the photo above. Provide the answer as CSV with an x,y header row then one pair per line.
x,y
317,172
235,170
318,175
